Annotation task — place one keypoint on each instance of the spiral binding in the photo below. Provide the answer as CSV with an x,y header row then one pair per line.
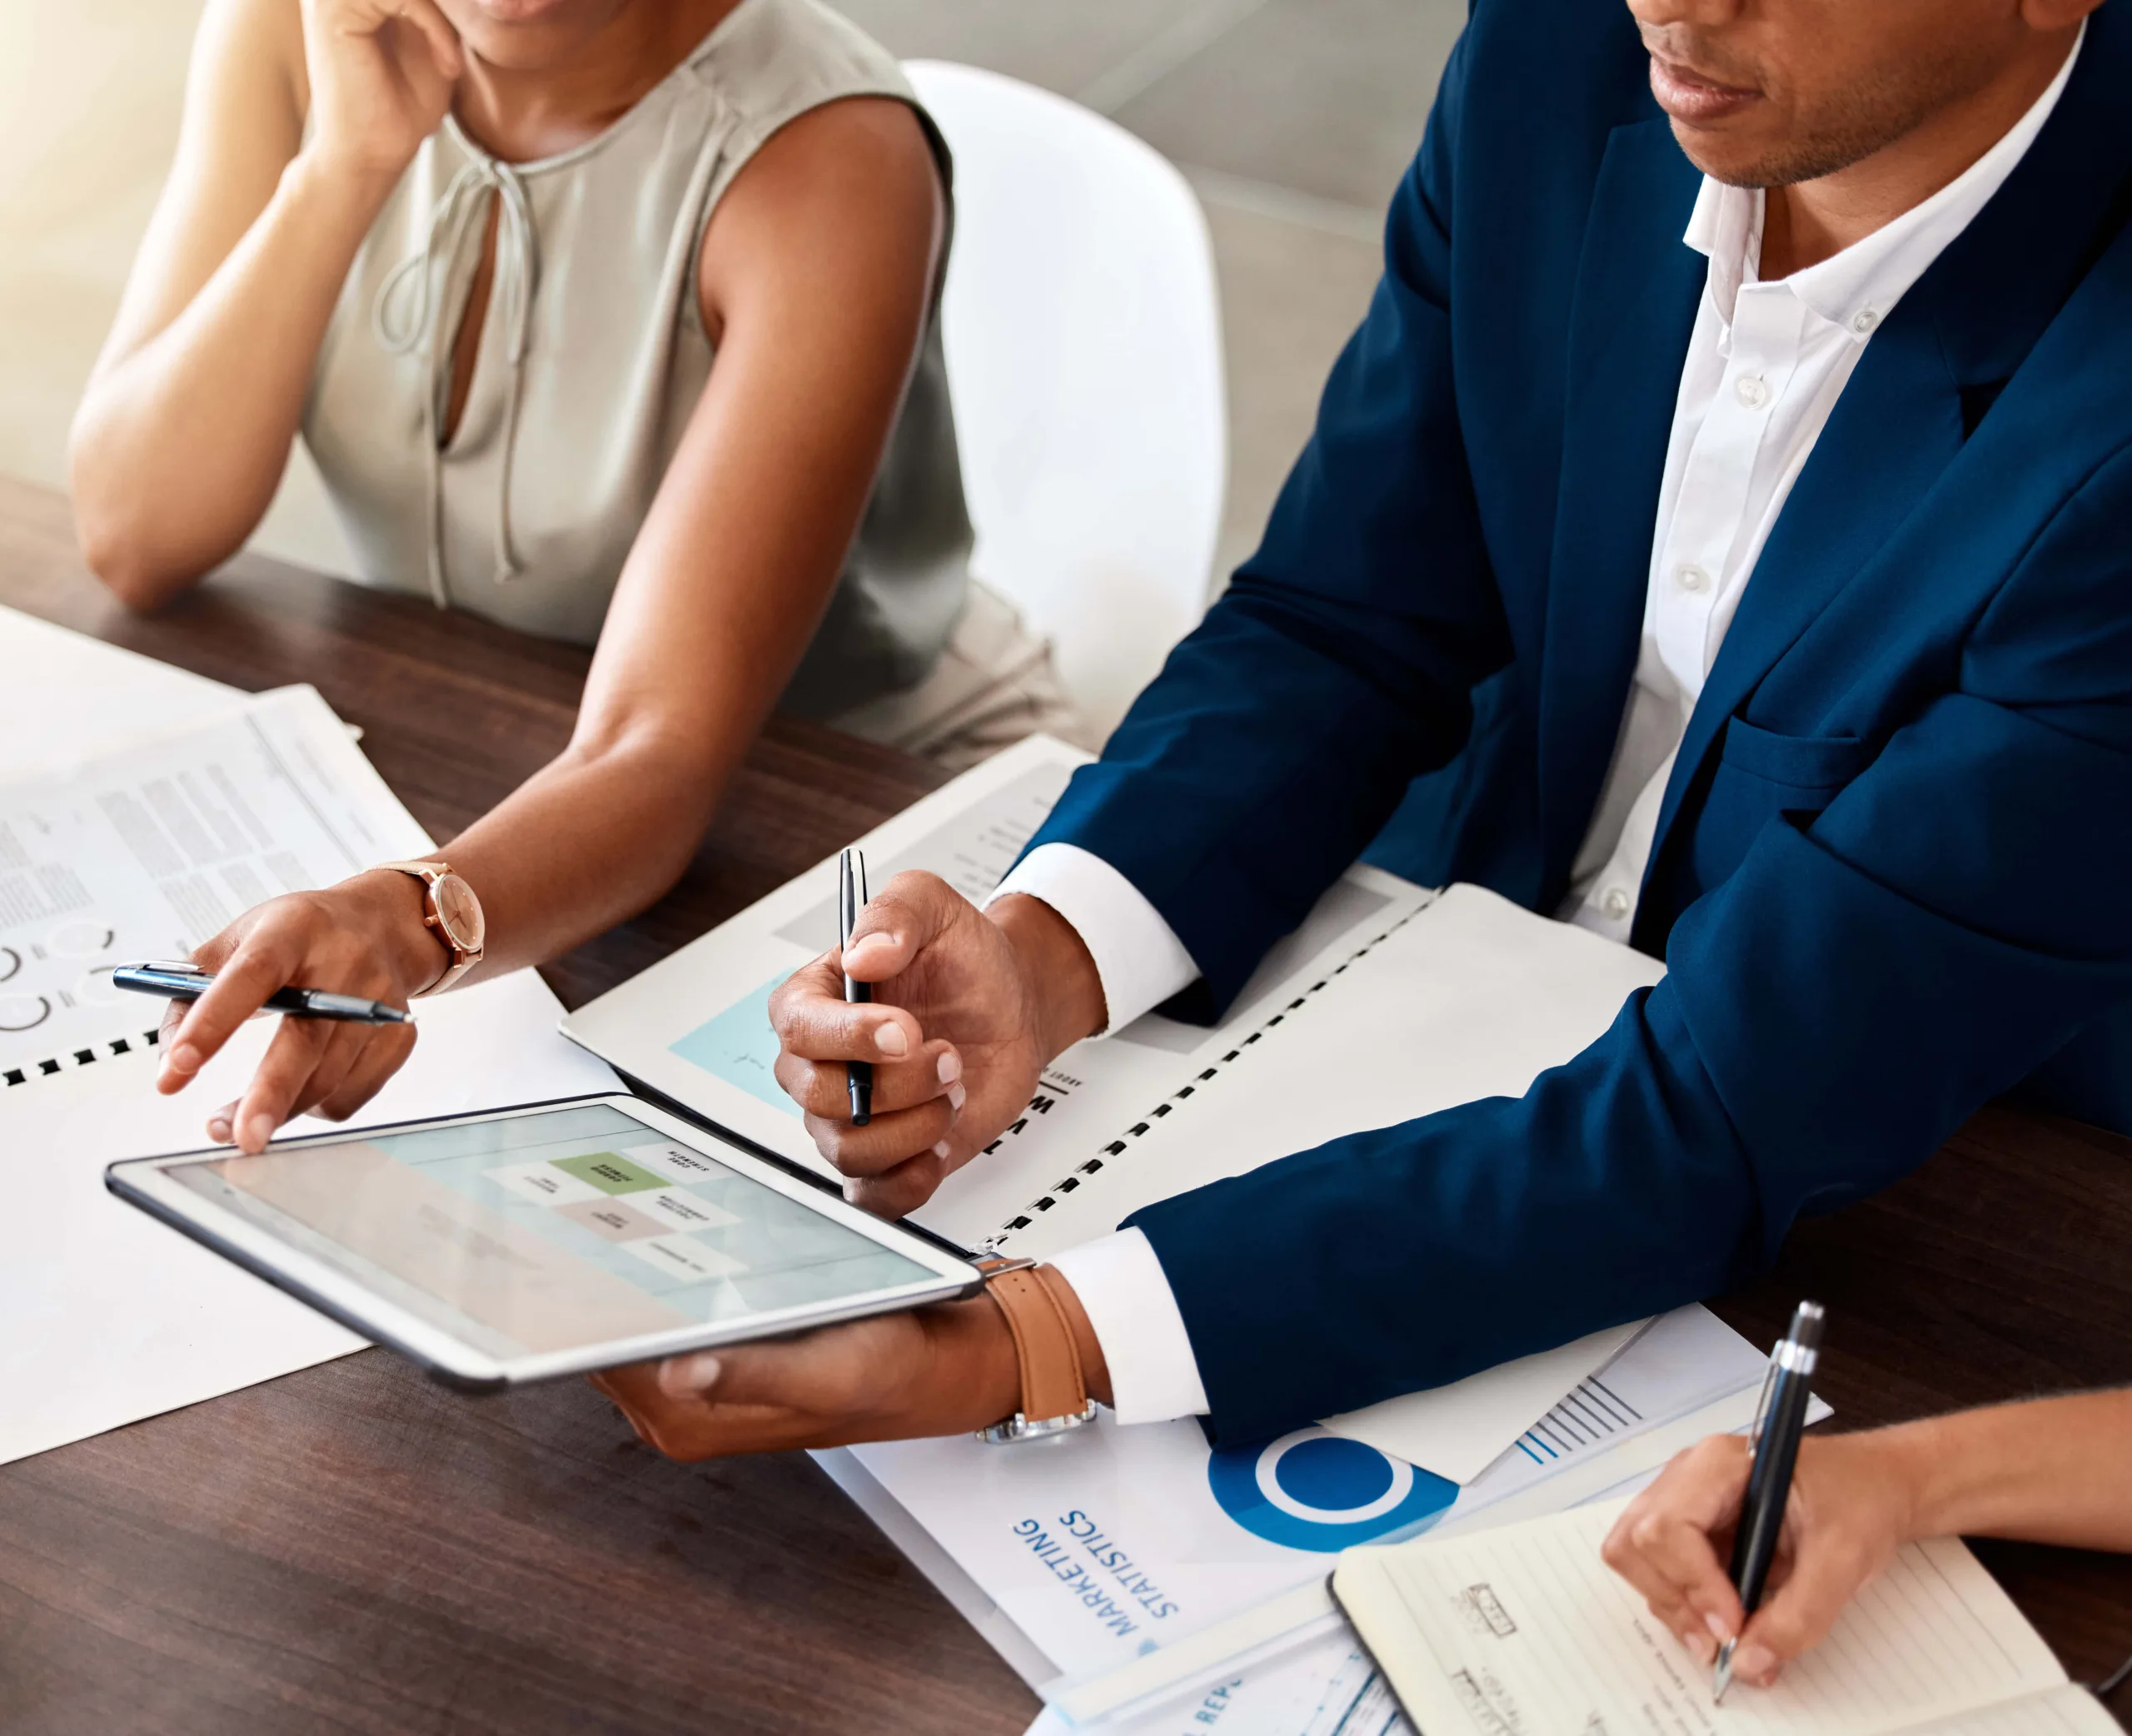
x,y
73,1059
1118,1148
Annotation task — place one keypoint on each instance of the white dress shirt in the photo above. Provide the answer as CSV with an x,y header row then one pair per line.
x,y
1764,366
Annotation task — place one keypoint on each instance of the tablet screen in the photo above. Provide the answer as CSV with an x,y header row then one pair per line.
x,y
550,1231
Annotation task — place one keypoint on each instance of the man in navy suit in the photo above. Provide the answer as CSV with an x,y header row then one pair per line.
x,y
1719,534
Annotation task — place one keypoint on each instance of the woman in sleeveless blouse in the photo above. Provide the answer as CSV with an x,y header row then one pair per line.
x,y
612,320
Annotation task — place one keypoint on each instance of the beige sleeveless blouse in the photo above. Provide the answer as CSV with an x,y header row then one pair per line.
x,y
591,357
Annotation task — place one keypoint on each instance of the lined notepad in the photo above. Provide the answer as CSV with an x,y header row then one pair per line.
x,y
1525,1631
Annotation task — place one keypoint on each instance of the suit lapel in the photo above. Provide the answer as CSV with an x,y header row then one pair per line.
x,y
1961,332
1631,318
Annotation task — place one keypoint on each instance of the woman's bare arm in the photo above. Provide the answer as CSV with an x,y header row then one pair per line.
x,y
816,277
184,432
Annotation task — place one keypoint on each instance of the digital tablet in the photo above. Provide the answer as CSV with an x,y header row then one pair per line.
x,y
524,1244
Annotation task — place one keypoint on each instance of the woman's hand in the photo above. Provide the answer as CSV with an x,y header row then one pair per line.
x,y
946,1370
381,73
365,937
1853,1501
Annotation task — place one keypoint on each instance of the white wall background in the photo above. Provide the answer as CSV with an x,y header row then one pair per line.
x,y
90,92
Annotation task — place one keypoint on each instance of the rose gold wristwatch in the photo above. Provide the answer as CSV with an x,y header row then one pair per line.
x,y
452,913
1054,1389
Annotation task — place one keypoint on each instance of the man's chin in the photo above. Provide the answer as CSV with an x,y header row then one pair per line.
x,y
1735,162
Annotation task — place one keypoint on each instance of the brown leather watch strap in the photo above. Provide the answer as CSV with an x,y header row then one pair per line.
x,y
1054,1388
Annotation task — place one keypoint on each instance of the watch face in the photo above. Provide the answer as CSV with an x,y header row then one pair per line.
x,y
459,913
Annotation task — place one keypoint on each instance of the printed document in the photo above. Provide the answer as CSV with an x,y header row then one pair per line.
x,y
138,805
1113,1541
147,853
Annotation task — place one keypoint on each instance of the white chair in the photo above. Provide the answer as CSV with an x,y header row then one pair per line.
x,y
1083,330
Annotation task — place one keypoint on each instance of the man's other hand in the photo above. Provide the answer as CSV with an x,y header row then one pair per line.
x,y
946,1370
968,1007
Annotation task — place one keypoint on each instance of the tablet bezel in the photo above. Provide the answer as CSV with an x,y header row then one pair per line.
x,y
342,1296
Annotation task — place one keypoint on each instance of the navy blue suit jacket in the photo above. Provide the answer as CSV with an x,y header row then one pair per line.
x,y
1891,880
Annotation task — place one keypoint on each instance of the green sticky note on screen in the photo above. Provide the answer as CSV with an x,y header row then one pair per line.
x,y
610,1173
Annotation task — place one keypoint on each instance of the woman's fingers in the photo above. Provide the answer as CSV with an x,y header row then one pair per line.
x,y
259,964
1673,1563
345,1044
436,31
382,1057
359,18
1825,1574
1665,1543
291,1059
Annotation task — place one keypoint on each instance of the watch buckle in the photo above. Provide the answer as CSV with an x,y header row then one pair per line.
x,y
1018,1428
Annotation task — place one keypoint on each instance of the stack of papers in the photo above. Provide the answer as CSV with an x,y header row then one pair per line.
x,y
1077,1558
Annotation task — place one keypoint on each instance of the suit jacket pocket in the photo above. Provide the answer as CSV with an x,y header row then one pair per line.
x,y
1812,765
1761,777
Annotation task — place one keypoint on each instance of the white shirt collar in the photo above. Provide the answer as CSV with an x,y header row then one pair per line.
x,y
1856,288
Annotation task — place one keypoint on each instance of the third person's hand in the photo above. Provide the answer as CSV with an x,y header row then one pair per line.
x,y
1850,1509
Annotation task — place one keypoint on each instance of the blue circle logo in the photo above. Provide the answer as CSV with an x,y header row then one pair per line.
x,y
1312,1490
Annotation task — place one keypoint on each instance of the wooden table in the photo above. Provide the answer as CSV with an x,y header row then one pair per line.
x,y
352,1549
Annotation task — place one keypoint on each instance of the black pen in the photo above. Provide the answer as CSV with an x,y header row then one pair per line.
x,y
850,900
1778,1419
185,982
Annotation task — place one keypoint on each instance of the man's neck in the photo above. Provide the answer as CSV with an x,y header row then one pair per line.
x,y
1811,220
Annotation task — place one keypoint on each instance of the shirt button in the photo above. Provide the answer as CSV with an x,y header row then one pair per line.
x,y
1616,904
1753,391
1691,577
1863,322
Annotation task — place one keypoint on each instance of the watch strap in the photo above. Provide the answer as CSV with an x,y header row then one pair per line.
x,y
1054,1386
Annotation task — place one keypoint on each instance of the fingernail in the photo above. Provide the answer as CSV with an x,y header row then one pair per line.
x,y
851,1193
957,1097
856,953
890,1040
941,1149
218,1130
681,1375
1720,1630
1704,1647
951,1067
1754,1661
259,1129
182,1059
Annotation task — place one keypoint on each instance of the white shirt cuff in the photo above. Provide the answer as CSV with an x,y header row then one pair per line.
x,y
1139,957
1153,1375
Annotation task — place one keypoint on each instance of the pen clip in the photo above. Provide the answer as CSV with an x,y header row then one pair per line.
x,y
1761,1406
850,892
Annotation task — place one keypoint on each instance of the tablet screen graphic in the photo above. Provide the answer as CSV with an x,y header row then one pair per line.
x,y
550,1232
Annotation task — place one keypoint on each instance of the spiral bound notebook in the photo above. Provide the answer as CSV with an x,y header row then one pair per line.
x,y
1390,1000
146,851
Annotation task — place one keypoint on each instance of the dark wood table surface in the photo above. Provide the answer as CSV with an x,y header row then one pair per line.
x,y
353,1548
